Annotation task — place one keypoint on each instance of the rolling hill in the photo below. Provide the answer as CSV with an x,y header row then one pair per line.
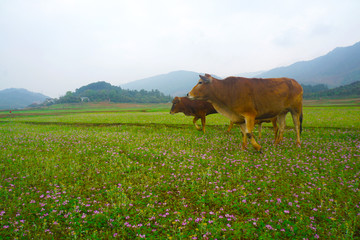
x,y
14,98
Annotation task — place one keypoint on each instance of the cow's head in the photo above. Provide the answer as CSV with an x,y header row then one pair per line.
x,y
175,107
202,88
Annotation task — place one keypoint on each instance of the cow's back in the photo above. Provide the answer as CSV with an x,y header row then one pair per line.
x,y
198,107
265,98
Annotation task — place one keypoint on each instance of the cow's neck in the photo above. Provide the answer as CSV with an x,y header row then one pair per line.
x,y
218,101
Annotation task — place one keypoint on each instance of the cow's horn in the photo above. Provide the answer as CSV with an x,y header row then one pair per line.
x,y
205,78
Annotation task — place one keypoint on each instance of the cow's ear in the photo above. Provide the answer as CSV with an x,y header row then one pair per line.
x,y
206,78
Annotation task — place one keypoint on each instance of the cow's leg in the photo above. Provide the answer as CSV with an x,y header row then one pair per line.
x,y
194,122
250,123
276,129
260,127
296,120
243,132
281,121
230,126
203,120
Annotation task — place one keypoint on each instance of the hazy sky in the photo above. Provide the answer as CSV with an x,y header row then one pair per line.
x,y
52,46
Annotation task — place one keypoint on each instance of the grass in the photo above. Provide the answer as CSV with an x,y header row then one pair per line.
x,y
147,174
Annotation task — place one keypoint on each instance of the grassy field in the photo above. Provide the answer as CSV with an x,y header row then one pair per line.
x,y
135,171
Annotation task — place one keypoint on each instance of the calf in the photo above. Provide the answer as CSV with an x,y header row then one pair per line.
x,y
197,108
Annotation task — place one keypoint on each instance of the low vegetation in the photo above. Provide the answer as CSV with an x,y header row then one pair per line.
x,y
95,174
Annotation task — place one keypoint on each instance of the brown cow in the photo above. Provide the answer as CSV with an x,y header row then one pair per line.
x,y
246,100
197,108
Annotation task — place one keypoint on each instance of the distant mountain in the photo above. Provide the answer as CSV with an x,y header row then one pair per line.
x,y
13,98
339,67
176,83
249,74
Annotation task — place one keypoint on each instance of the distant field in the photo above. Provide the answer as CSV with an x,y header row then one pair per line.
x,y
333,102
135,171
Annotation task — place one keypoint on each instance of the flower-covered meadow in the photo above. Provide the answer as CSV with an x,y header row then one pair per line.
x,y
104,175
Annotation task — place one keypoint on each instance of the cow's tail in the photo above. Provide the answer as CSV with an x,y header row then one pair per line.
x,y
301,120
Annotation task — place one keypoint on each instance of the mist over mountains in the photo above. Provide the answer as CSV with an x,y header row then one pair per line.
x,y
176,83
339,67
13,98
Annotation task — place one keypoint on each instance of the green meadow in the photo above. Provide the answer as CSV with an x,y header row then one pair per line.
x,y
135,171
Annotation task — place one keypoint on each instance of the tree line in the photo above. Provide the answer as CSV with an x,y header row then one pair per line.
x,y
103,91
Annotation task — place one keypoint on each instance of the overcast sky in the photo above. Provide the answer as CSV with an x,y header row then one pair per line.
x,y
52,46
